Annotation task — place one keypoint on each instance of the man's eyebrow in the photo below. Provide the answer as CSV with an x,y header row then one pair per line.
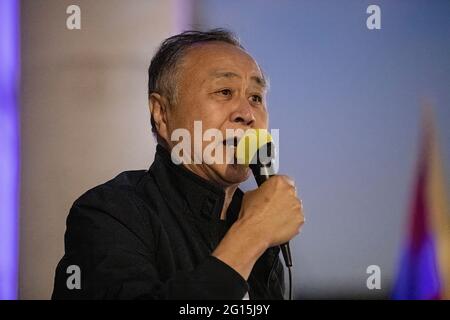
x,y
228,74
260,81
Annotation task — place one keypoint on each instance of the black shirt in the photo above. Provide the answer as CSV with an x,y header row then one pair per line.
x,y
149,234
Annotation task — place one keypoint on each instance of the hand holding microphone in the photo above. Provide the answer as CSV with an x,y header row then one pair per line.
x,y
273,212
256,149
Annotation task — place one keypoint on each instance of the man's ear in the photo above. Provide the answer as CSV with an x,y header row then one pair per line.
x,y
158,106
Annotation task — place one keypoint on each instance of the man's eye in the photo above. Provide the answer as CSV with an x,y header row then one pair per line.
x,y
225,92
256,98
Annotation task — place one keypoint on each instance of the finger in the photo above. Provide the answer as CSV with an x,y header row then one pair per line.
x,y
301,209
289,181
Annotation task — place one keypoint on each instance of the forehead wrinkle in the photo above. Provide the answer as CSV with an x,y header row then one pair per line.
x,y
225,74
229,75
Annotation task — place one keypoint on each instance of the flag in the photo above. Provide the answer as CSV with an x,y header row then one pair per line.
x,y
424,269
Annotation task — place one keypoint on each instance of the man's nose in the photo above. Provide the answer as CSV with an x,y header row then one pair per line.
x,y
244,114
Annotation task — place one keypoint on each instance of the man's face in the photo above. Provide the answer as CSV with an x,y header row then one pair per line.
x,y
222,86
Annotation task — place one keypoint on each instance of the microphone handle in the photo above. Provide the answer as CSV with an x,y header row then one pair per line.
x,y
262,173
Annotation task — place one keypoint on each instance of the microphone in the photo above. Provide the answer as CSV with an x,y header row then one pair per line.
x,y
257,150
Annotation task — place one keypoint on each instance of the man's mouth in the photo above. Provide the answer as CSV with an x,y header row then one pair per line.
x,y
231,143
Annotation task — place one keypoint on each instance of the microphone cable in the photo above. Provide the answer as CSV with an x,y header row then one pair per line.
x,y
290,282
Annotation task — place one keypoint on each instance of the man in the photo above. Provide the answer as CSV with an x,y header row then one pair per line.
x,y
186,231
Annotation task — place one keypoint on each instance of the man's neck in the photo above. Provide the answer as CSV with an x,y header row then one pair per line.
x,y
229,192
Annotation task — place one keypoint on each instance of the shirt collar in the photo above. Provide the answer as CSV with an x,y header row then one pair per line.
x,y
204,198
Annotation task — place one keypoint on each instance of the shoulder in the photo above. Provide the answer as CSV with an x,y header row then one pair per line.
x,y
122,186
112,207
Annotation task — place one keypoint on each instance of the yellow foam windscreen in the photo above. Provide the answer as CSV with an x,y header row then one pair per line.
x,y
250,142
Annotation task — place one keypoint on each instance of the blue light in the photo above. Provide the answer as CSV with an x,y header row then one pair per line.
x,y
9,146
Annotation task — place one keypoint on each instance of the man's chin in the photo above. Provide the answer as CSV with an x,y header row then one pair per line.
x,y
235,173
